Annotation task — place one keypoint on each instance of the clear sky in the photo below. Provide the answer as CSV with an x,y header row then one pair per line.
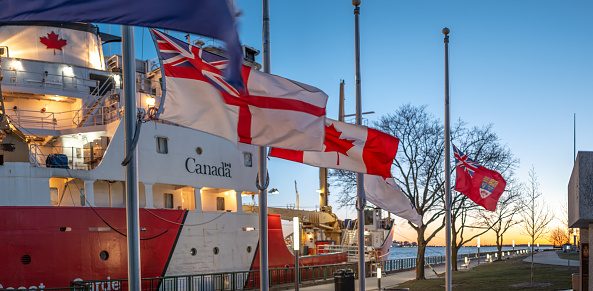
x,y
524,66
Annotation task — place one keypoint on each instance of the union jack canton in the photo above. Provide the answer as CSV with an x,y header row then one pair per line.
x,y
465,162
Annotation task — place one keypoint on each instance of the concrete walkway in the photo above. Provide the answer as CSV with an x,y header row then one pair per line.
x,y
394,279
551,258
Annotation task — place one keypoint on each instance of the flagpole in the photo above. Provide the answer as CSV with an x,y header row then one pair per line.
x,y
359,176
263,167
447,165
132,211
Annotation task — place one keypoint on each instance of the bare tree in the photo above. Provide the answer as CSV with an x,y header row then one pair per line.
x,y
483,146
506,216
418,163
419,168
536,214
559,235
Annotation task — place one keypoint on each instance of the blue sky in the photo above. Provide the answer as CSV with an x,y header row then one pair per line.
x,y
524,66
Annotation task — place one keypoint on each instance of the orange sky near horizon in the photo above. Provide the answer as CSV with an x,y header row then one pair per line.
x,y
403,232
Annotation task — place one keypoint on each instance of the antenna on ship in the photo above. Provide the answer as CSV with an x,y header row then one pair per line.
x,y
297,194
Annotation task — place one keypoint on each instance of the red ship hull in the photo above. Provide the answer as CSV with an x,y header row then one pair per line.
x,y
52,246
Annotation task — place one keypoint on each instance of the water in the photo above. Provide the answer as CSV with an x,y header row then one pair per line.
x,y
411,252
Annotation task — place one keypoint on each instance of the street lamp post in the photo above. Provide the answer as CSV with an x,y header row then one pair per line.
x,y
379,275
296,235
478,250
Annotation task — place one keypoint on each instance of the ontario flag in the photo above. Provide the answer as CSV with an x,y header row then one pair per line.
x,y
348,147
273,111
479,184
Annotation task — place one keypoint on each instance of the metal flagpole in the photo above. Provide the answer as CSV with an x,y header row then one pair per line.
x,y
447,165
263,168
359,177
133,218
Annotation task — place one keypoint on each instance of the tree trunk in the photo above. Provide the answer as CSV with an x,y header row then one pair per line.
x,y
454,250
532,241
420,256
499,246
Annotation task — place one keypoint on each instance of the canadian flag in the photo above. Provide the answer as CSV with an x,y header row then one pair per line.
x,y
348,147
387,195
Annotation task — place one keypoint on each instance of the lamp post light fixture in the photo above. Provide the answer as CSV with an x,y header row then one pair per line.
x,y
478,250
296,235
379,275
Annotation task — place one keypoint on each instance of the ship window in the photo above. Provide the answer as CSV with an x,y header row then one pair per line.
x,y
249,249
55,197
247,159
215,250
219,203
104,255
82,197
193,251
161,145
26,259
168,201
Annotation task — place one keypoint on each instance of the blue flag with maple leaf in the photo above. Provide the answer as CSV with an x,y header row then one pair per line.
x,y
211,18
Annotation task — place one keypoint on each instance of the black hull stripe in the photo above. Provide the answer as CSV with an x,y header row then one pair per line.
x,y
173,248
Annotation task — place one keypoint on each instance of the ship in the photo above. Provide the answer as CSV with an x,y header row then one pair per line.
x,y
62,203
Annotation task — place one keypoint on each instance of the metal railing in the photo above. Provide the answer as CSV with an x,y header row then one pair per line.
x,y
19,77
77,288
41,119
38,156
248,280
351,250
245,280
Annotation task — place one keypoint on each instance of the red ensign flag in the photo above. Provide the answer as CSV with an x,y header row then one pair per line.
x,y
479,184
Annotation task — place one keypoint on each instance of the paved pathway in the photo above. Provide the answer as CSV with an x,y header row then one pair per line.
x,y
394,279
551,258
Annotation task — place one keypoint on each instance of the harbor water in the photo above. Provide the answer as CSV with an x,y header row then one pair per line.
x,y
432,251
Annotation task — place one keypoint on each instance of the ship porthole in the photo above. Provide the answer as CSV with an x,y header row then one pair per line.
x,y
215,250
249,249
199,150
26,259
104,255
193,251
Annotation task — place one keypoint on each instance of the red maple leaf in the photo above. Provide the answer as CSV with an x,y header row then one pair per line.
x,y
52,42
333,142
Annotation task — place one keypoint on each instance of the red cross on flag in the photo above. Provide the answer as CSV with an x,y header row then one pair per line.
x,y
273,111
348,147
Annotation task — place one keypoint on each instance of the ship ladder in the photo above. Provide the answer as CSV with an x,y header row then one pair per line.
x,y
90,112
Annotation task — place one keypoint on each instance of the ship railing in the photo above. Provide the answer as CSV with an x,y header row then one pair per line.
x,y
351,250
95,99
75,155
15,77
41,119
